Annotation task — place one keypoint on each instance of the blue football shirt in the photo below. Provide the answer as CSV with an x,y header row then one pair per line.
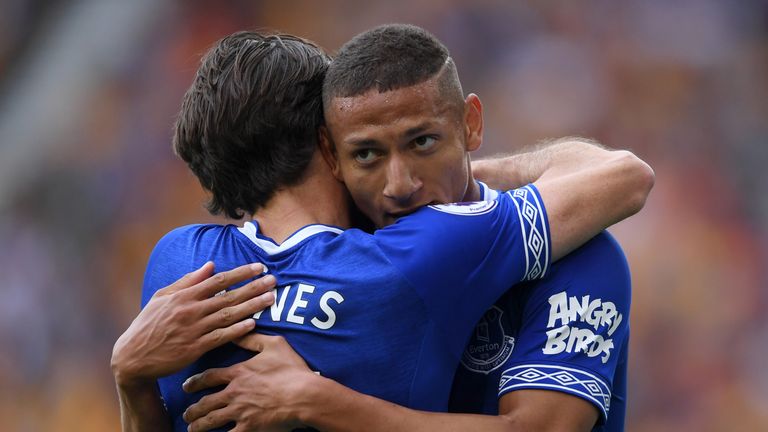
x,y
387,314
568,332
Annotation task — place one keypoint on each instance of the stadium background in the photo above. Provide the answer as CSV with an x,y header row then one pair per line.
x,y
88,183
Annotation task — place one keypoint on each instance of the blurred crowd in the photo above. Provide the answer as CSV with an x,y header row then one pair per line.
x,y
683,84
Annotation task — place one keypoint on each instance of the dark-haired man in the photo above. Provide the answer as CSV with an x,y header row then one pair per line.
x,y
387,313
391,123
568,332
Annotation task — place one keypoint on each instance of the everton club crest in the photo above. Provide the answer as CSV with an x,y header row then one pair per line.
x,y
490,345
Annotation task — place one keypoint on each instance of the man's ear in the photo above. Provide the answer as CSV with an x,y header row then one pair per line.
x,y
473,122
328,150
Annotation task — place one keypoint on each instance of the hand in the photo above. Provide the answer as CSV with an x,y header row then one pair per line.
x,y
186,319
260,393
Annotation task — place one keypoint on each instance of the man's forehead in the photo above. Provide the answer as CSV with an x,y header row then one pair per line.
x,y
374,98
374,107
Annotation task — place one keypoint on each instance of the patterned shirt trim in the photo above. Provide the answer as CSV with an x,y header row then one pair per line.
x,y
559,378
534,231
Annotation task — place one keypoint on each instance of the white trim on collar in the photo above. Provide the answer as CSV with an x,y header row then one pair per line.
x,y
488,193
250,229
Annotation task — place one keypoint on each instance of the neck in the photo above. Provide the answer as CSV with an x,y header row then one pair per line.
x,y
473,189
318,199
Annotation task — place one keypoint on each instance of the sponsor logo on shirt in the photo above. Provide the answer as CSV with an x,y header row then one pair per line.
x,y
490,345
466,208
597,320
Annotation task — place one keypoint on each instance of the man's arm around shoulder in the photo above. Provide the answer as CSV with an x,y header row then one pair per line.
x,y
585,187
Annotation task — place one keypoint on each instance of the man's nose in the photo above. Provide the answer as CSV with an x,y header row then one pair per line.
x,y
401,183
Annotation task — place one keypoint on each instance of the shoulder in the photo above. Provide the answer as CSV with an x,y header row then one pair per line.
x,y
598,269
187,235
179,251
601,257
605,244
517,211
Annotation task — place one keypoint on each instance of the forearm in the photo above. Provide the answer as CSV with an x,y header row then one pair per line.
x,y
332,407
585,187
141,408
516,170
504,173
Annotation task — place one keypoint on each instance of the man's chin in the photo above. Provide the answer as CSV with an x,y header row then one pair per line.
x,y
389,218
385,221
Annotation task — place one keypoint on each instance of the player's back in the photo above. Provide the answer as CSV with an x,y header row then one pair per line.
x,y
330,304
385,314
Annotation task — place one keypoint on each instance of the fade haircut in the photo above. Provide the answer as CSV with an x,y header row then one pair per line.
x,y
391,57
248,124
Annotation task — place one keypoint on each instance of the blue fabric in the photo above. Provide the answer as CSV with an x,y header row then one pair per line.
x,y
568,332
387,314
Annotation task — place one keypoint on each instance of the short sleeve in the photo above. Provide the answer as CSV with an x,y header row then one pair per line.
x,y
575,326
461,257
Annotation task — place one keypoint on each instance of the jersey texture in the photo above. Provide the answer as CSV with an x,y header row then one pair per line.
x,y
387,314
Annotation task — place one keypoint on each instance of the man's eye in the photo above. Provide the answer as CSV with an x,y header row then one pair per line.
x,y
365,155
424,142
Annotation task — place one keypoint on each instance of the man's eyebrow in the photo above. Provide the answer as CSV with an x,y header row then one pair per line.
x,y
406,135
362,142
416,130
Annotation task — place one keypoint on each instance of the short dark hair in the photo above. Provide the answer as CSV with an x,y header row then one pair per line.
x,y
248,124
390,57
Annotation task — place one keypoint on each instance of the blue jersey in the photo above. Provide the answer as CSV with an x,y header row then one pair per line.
x,y
568,332
387,314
